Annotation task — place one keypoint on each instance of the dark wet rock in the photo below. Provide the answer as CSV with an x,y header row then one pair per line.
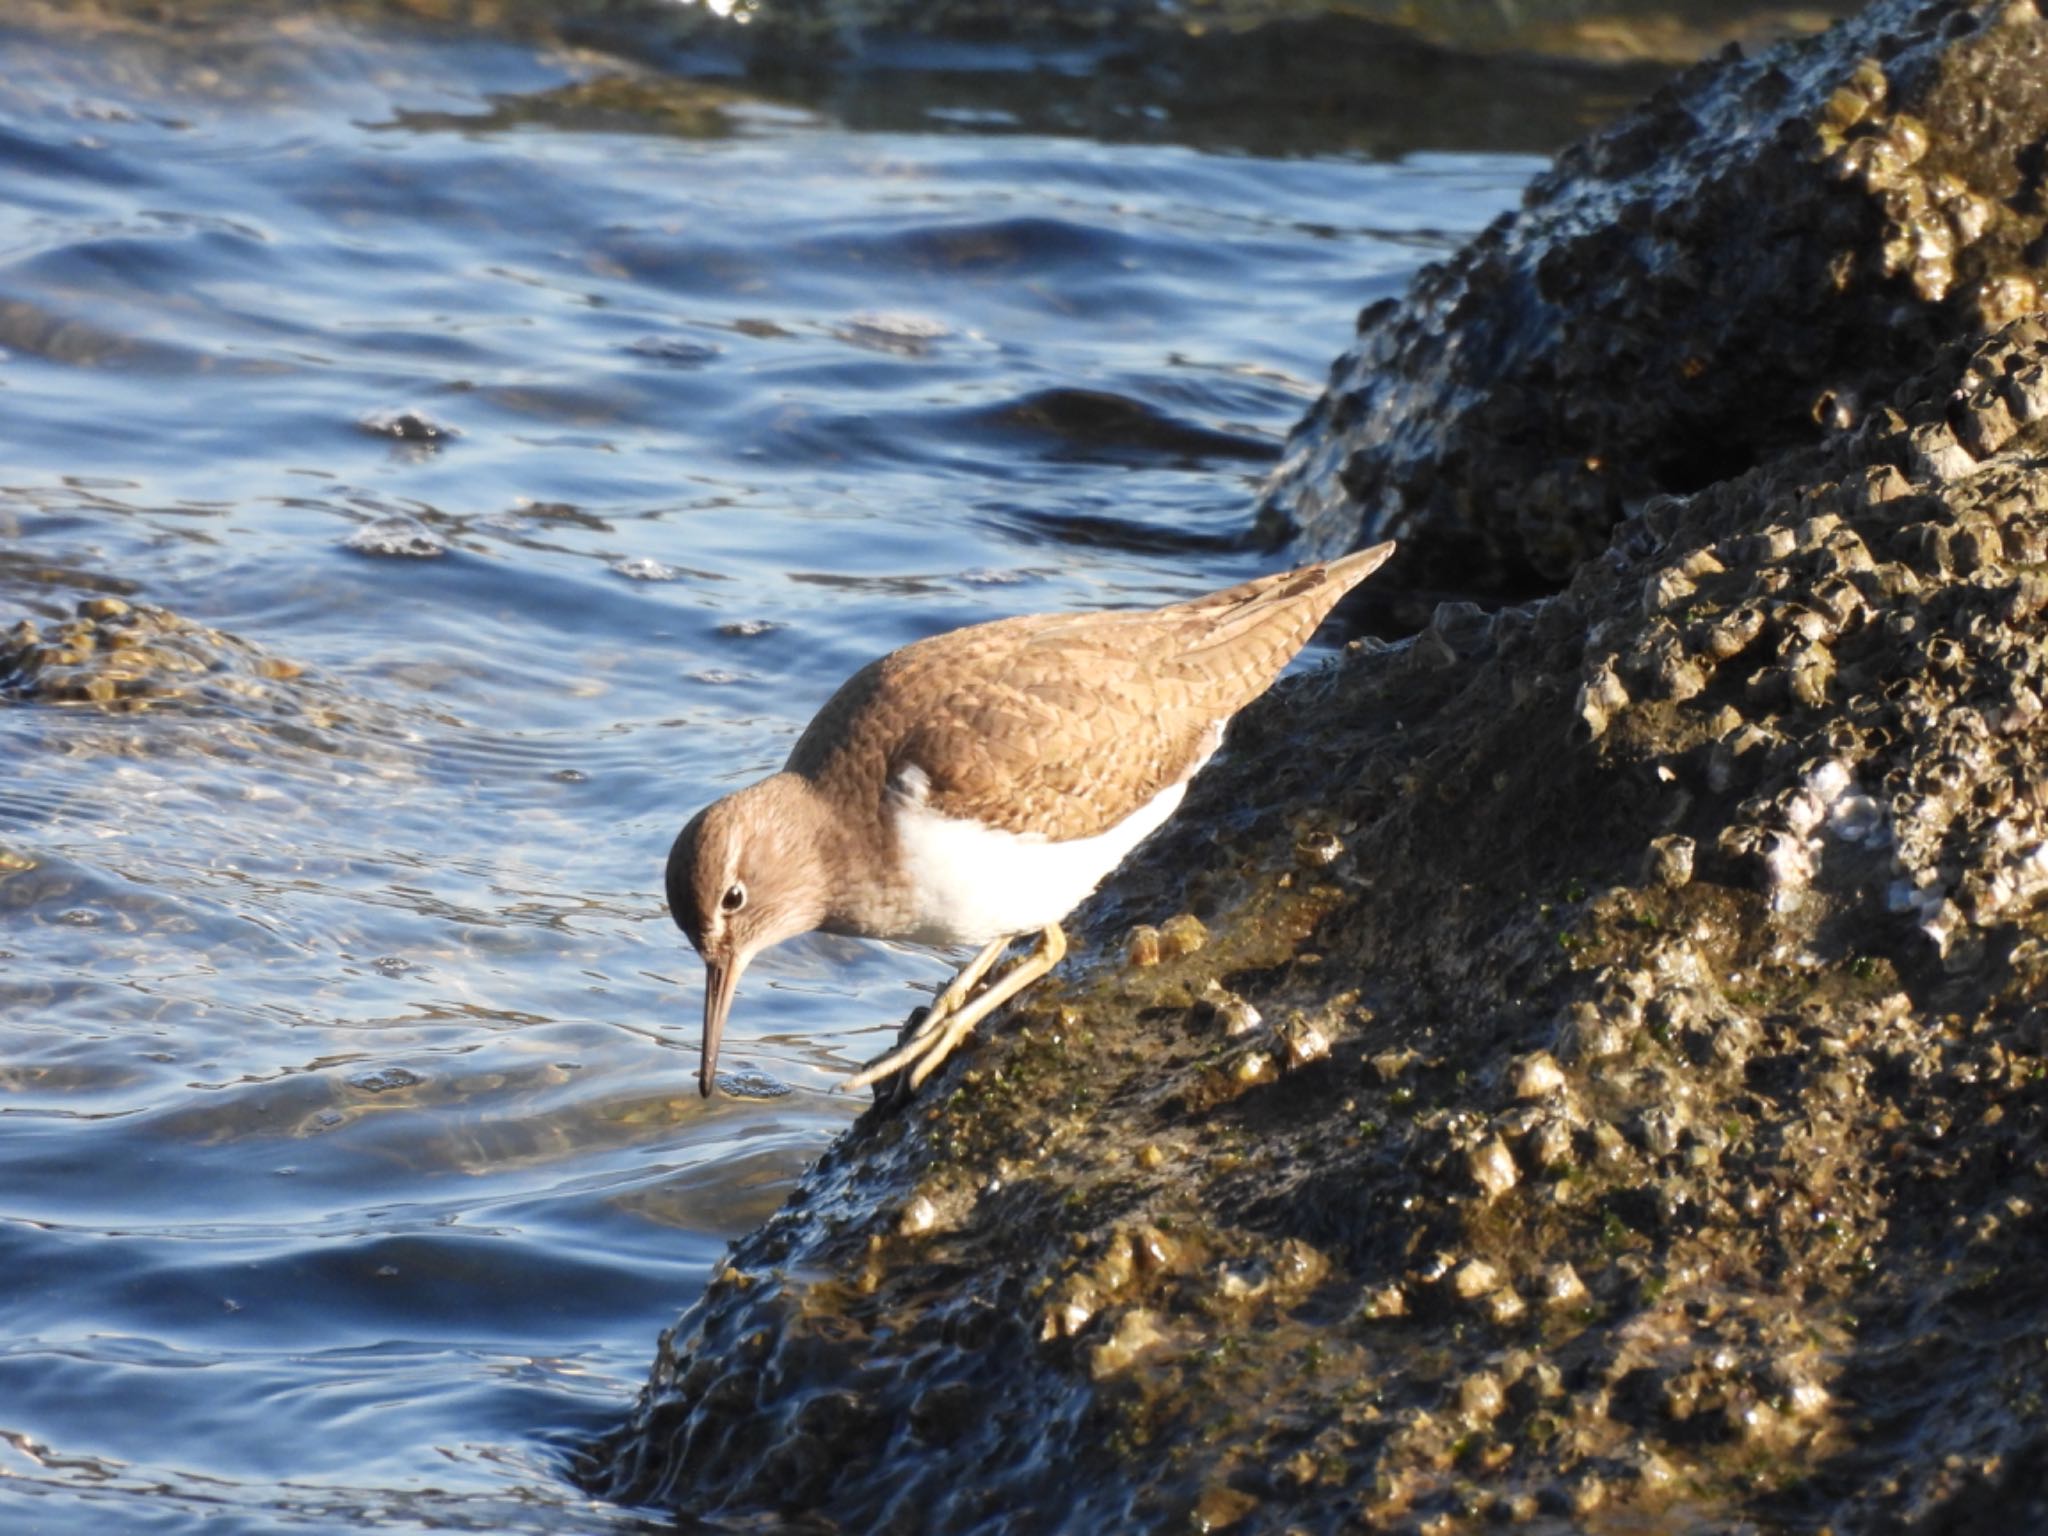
x,y
868,31
746,1083
409,427
1629,28
1328,84
385,1079
1674,1155
1767,247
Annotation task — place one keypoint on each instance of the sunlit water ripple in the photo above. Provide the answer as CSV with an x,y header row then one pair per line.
x,y
352,1154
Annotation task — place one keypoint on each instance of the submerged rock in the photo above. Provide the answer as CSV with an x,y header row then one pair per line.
x,y
1765,245
131,656
118,658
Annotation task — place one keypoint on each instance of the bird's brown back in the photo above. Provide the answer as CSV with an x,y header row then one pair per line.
x,y
1064,723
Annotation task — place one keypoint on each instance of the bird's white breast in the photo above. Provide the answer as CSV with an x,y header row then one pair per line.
x,y
975,883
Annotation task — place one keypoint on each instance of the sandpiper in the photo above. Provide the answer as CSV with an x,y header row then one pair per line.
x,y
976,786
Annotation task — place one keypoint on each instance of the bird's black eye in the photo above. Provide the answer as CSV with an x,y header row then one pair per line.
x,y
734,898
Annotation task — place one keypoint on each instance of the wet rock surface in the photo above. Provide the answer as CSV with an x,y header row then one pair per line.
x,y
1766,244
1609,1086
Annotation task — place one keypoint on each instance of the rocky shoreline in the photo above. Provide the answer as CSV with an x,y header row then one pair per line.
x,y
1594,1068
1764,250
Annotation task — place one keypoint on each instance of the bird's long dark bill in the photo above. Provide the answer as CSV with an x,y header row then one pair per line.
x,y
721,979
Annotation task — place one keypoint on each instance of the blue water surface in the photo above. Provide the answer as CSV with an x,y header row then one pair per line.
x,y
350,1157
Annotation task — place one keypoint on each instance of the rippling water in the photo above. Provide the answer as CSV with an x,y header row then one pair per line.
x,y
551,449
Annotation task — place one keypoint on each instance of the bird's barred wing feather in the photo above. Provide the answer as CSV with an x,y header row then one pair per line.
x,y
1065,741
1063,724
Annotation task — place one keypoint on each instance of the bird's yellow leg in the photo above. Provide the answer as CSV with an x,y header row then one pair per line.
x,y
963,983
944,1004
1049,951
941,1033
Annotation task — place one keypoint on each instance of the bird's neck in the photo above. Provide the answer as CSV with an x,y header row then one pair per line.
x,y
841,849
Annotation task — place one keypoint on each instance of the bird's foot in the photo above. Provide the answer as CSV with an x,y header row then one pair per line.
x,y
922,1025
953,1017
928,1038
893,1091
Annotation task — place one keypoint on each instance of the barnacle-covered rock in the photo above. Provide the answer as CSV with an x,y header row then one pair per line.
x,y
1672,1115
1670,1150
1766,244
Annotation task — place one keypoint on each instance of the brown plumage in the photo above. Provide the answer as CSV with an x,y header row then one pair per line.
x,y
1072,732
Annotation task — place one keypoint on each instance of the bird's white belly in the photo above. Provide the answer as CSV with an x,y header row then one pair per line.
x,y
975,883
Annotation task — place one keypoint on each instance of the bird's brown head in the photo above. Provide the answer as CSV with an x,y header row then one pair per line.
x,y
744,874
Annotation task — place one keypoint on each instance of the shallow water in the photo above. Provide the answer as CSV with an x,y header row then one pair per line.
x,y
352,1154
